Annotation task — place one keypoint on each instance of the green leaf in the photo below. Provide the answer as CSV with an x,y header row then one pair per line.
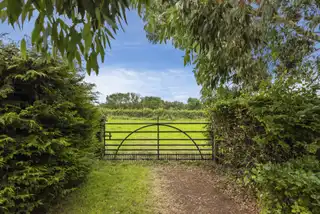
x,y
186,58
54,52
87,37
98,15
87,43
75,39
54,32
14,8
108,40
63,25
36,31
25,10
3,4
60,43
86,29
109,33
111,22
23,48
94,62
100,49
3,15
88,66
30,15
124,14
78,57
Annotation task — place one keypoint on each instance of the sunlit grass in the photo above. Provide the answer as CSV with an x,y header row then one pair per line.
x,y
112,187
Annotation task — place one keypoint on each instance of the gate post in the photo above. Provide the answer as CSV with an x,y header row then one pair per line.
x,y
213,144
103,134
158,139
214,152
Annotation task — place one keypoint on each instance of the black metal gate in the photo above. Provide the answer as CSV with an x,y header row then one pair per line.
x,y
145,141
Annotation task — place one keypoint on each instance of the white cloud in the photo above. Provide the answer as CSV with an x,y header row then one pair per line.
x,y
167,84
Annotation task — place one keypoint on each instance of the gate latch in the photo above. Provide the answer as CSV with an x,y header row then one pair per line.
x,y
109,135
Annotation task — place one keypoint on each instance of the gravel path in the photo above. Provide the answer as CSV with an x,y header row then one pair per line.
x,y
193,189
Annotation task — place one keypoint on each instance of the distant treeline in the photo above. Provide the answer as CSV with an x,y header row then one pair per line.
x,y
154,113
135,101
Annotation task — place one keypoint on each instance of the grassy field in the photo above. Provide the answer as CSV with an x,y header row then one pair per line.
x,y
142,140
112,187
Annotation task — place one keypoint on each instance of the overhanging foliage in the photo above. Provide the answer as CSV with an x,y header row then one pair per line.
x,y
239,42
77,29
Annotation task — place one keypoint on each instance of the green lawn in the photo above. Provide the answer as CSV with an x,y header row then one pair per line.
x,y
149,138
112,187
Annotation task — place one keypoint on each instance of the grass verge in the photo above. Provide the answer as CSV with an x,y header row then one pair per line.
x,y
112,187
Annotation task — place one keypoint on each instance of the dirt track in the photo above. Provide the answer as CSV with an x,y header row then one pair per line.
x,y
192,189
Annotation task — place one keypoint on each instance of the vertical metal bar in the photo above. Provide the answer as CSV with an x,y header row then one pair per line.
x,y
213,143
158,139
213,150
216,151
104,134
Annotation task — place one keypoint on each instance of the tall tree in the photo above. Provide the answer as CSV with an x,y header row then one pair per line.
x,y
123,100
174,105
194,104
152,102
135,101
238,42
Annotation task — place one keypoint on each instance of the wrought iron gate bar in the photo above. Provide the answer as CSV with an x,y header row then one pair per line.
x,y
160,145
162,157
147,139
161,123
167,159
155,131
161,154
182,149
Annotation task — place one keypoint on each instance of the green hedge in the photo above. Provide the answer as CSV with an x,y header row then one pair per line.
x,y
154,113
292,187
273,125
48,127
273,137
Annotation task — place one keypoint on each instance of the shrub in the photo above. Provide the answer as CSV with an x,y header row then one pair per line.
x,y
292,187
48,126
274,125
272,136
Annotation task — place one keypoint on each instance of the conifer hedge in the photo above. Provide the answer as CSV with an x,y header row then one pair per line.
x,y
48,127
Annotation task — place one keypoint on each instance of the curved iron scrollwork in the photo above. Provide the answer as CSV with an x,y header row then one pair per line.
x,y
157,124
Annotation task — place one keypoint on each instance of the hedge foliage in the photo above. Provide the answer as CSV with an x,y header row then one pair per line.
x,y
273,136
154,113
48,127
291,187
276,124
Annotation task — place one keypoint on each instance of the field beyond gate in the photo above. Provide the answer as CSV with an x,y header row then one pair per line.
x,y
157,140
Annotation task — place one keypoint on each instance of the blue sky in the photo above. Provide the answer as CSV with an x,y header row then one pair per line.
x,y
135,65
